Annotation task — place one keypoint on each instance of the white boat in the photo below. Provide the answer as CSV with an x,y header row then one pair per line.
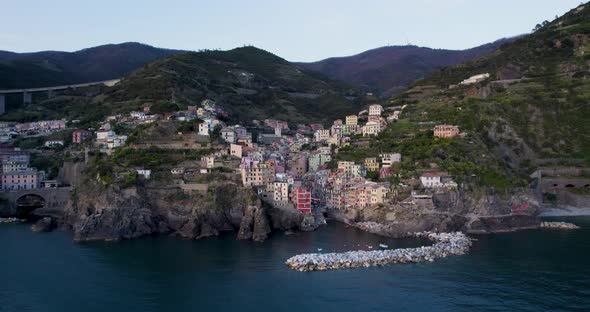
x,y
383,246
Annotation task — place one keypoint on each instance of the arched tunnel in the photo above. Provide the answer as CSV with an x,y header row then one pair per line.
x,y
26,204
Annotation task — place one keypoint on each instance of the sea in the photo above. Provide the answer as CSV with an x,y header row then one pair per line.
x,y
531,270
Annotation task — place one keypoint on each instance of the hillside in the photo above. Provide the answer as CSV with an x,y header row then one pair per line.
x,y
389,70
534,109
248,82
49,68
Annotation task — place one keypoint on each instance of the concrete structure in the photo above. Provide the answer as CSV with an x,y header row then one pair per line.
x,y
27,93
52,201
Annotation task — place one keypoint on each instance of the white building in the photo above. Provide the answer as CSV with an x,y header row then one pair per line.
x,y
10,166
321,135
116,141
228,135
138,115
146,173
389,159
280,192
235,150
371,128
431,180
475,79
208,162
204,128
103,135
375,110
54,143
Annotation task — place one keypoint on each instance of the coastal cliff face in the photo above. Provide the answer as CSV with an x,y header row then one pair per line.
x,y
448,211
98,212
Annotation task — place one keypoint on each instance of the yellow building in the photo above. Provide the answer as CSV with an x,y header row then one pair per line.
x,y
352,120
371,164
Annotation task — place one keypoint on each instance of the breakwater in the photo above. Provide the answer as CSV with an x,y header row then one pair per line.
x,y
559,225
11,220
445,244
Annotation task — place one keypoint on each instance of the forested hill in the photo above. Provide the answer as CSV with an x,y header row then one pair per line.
x,y
51,68
534,108
249,82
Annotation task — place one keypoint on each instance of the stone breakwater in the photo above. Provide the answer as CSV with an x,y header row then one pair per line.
x,y
446,244
559,225
11,220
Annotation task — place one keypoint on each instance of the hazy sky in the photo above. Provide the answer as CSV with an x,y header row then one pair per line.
x,y
298,30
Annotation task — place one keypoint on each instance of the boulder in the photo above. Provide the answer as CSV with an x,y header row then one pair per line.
x,y
43,225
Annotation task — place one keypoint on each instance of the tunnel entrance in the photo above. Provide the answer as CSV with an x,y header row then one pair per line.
x,y
26,204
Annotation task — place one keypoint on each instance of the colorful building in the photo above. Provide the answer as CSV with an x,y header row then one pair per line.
x,y
446,131
302,199
79,136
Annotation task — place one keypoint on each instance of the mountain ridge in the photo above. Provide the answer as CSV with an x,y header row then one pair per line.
x,y
47,68
390,69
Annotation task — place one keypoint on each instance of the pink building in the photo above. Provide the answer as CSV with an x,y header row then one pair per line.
x,y
79,136
446,131
20,180
302,199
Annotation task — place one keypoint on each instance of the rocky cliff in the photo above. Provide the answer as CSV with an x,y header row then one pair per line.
x,y
482,211
98,212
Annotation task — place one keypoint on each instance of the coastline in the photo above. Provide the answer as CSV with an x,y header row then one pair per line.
x,y
564,211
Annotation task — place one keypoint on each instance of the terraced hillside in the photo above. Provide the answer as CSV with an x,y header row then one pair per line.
x,y
250,83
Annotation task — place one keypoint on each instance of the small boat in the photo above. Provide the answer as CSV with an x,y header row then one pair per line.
x,y
370,247
319,249
383,246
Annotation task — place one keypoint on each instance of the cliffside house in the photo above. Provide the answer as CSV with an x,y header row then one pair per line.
x,y
446,131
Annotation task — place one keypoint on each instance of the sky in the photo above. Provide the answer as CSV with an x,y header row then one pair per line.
x,y
297,30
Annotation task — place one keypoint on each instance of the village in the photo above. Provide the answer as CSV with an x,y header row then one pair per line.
x,y
287,168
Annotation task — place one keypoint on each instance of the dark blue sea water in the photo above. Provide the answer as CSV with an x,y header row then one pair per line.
x,y
536,270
